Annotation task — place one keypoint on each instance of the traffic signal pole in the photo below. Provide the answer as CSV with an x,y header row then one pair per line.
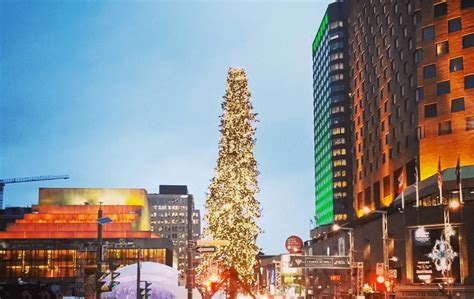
x,y
99,253
139,296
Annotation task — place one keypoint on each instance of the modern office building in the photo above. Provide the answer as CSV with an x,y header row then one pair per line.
x,y
382,44
411,86
168,217
445,90
332,118
412,93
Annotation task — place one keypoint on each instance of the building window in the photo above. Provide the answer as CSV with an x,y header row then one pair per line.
x,y
467,4
420,132
469,123
440,9
417,17
444,127
469,81
419,94
429,71
443,88
442,48
386,186
418,55
457,105
454,25
428,33
468,41
431,110
456,64
336,24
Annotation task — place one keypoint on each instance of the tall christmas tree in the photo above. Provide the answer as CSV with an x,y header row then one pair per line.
x,y
232,207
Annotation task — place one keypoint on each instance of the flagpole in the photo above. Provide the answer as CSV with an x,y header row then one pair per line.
x,y
417,195
461,201
403,200
440,182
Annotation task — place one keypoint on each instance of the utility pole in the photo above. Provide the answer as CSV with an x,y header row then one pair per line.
x,y
99,253
139,296
385,248
190,266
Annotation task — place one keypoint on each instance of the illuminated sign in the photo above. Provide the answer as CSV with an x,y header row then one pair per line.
x,y
427,256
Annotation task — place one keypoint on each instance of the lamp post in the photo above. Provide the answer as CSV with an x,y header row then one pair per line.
x,y
367,211
350,232
99,252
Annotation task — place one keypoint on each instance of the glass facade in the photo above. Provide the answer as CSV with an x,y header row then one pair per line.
x,y
64,263
322,126
331,108
168,217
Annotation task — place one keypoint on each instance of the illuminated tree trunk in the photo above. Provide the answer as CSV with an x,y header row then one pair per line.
x,y
232,207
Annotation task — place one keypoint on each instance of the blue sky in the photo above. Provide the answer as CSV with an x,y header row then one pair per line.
x,y
128,94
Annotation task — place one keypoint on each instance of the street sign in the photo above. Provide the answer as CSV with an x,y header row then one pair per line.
x,y
319,262
392,273
104,220
206,249
203,243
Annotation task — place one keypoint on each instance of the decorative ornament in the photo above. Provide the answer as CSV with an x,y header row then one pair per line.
x,y
442,256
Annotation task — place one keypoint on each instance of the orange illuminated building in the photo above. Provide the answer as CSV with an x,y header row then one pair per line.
x,y
56,242
412,85
77,222
445,57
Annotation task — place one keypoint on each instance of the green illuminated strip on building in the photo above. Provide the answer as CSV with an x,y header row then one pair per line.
x,y
320,34
324,185
322,133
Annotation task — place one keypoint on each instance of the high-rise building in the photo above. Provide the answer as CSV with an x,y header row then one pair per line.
x,y
382,43
168,217
412,91
332,118
445,90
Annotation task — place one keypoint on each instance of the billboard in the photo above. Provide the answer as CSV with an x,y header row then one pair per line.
x,y
435,255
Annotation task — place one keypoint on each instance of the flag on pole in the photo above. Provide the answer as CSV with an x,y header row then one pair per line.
x,y
440,175
458,173
416,185
440,182
458,180
400,182
400,188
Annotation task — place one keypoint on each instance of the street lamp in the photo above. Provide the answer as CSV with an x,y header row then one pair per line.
x,y
367,211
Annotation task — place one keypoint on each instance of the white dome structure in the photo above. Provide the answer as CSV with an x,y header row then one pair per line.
x,y
163,279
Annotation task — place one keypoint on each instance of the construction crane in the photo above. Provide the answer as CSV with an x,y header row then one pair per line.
x,y
3,182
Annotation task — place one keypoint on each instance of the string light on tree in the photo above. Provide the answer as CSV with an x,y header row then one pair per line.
x,y
231,205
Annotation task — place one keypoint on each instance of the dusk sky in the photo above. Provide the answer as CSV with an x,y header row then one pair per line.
x,y
128,94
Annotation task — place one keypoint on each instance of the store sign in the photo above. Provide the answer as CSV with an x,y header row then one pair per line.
x,y
435,259
294,244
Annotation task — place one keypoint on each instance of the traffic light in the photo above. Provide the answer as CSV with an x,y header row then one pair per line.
x,y
381,284
146,291
100,282
113,276
212,283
